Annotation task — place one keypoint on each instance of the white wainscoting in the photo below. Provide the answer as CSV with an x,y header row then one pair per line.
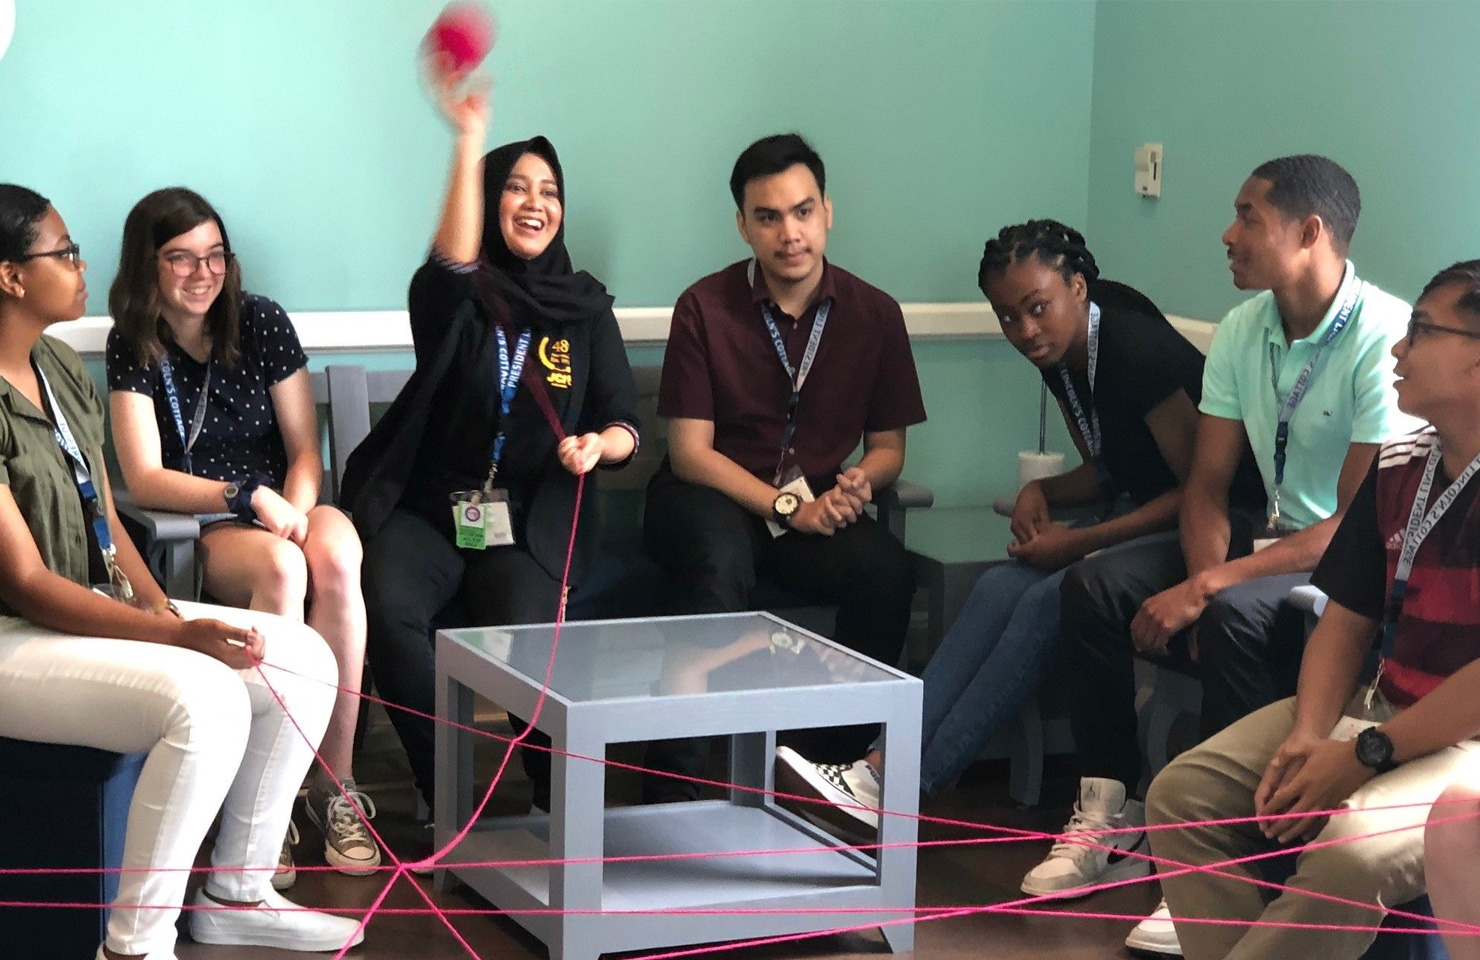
x,y
390,331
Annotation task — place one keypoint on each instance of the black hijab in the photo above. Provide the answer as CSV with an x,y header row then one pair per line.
x,y
544,291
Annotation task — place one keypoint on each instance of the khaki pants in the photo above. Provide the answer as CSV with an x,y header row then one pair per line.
x,y
1217,781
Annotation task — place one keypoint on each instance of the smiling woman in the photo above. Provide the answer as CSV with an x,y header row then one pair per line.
x,y
464,489
213,415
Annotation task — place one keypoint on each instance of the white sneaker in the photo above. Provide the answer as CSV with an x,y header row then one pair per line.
x,y
150,956
848,787
1156,934
277,922
286,873
1071,867
348,844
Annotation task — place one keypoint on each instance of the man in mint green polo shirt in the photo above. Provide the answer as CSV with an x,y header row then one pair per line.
x,y
1211,604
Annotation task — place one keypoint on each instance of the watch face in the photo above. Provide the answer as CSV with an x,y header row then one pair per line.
x,y
787,504
1374,749
231,491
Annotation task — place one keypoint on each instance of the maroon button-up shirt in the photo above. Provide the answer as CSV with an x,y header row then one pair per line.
x,y
721,365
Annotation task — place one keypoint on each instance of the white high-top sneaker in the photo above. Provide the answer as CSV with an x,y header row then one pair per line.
x,y
1156,934
1072,868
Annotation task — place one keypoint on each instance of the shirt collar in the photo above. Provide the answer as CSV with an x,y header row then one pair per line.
x,y
17,402
760,293
1276,329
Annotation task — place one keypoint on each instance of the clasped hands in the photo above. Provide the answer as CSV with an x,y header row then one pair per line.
x,y
1307,776
838,507
1038,541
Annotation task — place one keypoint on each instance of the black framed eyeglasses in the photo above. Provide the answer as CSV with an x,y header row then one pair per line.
x,y
183,263
71,252
1417,326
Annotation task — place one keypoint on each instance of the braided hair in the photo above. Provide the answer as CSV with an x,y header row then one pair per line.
x,y
1053,243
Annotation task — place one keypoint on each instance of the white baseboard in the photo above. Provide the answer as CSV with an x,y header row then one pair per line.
x,y
380,331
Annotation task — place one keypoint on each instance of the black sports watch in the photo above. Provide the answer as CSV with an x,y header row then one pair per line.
x,y
1375,750
785,507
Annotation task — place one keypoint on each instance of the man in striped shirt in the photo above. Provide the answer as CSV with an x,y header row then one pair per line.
x,y
1402,574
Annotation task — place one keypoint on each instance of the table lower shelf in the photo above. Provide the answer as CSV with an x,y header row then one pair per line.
x,y
747,875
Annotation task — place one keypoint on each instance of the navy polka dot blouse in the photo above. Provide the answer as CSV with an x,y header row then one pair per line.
x,y
240,436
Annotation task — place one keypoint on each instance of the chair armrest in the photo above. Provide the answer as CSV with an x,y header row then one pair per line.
x,y
898,497
160,526
907,496
1308,598
166,540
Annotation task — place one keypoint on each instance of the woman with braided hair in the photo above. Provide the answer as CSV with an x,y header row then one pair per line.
x,y
1128,386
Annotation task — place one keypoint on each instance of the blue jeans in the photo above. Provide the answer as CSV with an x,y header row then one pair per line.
x,y
989,663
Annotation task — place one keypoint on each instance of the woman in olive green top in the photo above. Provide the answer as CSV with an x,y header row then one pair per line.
x,y
120,668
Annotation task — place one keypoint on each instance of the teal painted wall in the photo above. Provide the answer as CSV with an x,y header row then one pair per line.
x,y
303,121
1385,88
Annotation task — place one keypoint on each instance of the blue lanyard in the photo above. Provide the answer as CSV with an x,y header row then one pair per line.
x,y
92,504
1302,383
1089,425
509,371
796,376
187,441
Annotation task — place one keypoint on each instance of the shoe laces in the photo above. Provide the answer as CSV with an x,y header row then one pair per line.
x,y
1080,823
344,822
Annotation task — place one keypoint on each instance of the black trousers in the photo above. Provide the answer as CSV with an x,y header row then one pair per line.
x,y
1249,643
413,572
714,550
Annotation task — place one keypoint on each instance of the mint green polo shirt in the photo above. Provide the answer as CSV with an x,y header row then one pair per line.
x,y
1350,398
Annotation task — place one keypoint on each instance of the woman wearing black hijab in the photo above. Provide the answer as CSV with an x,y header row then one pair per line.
x,y
497,294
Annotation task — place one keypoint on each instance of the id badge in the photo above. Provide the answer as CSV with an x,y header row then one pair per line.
x,y
1347,728
482,521
1270,533
795,483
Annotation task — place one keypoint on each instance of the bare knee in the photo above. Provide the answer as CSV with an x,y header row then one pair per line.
x,y
334,562
281,580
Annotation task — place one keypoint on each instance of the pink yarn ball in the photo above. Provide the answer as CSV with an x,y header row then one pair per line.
x,y
463,33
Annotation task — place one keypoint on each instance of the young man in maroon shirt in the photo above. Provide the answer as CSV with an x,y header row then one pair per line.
x,y
776,367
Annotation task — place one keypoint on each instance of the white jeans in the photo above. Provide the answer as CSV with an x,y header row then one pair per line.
x,y
217,739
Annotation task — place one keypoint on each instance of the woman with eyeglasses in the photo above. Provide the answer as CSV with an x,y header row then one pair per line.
x,y
213,414
119,667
